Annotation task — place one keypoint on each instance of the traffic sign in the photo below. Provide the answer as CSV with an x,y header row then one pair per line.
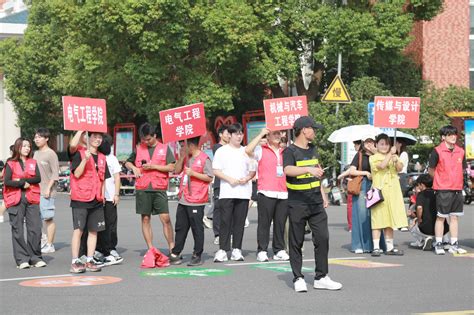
x,y
336,93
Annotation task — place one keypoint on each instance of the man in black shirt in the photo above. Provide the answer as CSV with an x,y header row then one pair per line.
x,y
307,203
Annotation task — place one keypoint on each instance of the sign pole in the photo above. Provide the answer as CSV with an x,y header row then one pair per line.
x,y
87,140
339,70
395,137
186,152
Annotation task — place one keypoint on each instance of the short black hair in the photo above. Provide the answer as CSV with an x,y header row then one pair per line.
x,y
297,131
425,179
194,140
105,148
221,129
382,136
357,142
448,131
234,128
146,129
106,145
43,132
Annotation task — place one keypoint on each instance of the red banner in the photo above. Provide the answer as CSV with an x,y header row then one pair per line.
x,y
183,122
82,113
396,112
281,113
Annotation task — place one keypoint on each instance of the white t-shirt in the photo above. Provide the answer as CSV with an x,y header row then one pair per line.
x,y
404,160
234,163
114,168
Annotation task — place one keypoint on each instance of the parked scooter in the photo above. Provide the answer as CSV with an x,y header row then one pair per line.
x,y
333,191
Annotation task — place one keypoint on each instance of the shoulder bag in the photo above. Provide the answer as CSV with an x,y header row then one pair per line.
x,y
354,185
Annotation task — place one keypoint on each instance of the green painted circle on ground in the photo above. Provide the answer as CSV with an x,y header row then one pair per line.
x,y
279,267
185,272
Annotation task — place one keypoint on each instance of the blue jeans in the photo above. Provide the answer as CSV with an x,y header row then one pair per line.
x,y
361,226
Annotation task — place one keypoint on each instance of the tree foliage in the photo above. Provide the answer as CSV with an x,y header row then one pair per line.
x,y
146,55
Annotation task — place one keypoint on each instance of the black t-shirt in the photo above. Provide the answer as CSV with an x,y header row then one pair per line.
x,y
365,162
427,200
290,157
217,180
75,161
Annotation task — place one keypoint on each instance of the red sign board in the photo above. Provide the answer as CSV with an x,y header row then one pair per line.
x,y
396,112
183,122
281,113
82,113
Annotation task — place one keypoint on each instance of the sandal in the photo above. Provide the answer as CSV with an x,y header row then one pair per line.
x,y
376,253
394,252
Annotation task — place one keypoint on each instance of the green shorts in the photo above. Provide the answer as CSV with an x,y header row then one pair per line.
x,y
151,202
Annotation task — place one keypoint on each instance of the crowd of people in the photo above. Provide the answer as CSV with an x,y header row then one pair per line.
x,y
288,194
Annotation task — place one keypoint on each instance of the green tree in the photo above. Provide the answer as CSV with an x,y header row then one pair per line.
x,y
146,55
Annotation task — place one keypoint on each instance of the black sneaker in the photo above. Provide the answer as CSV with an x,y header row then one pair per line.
x,y
175,259
195,261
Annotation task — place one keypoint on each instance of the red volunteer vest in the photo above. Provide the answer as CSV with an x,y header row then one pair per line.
x,y
267,171
89,186
12,195
448,173
199,188
157,179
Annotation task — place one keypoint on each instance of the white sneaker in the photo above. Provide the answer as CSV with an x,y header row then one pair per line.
x,y
216,240
327,284
24,265
112,260
281,255
220,256
300,285
44,240
439,249
207,222
455,249
262,256
359,251
416,244
2,218
237,255
114,253
247,222
40,264
48,248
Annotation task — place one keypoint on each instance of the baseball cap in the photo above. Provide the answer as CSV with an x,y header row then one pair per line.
x,y
306,122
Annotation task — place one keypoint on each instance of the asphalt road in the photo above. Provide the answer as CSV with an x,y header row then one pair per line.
x,y
419,282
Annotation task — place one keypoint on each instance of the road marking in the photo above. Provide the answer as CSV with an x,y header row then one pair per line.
x,y
467,312
283,262
39,277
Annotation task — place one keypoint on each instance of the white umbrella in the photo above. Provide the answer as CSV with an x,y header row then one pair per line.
x,y
353,133
408,138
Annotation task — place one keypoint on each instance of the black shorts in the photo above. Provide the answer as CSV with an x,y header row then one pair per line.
x,y
93,218
449,203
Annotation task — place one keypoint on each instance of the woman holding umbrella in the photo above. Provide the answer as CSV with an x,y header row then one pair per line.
x,y
361,240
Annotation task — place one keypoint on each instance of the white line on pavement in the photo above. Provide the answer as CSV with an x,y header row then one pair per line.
x,y
39,277
282,262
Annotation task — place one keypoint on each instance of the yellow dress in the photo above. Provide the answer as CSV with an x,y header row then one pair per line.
x,y
391,212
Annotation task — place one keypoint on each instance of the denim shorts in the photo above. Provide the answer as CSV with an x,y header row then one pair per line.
x,y
47,208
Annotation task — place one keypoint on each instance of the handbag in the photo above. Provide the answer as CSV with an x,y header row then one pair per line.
x,y
374,196
354,185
